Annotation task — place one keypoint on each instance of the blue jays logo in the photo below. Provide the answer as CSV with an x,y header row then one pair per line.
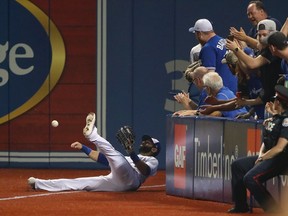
x,y
32,57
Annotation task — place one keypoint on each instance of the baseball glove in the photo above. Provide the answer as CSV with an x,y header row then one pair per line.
x,y
126,137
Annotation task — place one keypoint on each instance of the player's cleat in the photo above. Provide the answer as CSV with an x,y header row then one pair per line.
x,y
31,182
90,122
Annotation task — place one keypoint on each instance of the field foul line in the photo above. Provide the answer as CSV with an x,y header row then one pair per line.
x,y
152,186
38,195
57,193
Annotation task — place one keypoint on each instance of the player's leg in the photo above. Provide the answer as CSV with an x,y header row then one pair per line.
x,y
99,183
103,146
123,173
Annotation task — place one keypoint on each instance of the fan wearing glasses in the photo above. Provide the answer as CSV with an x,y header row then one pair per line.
x,y
212,85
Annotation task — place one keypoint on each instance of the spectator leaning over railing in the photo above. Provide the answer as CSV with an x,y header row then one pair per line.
x,y
278,46
213,85
213,51
194,76
269,66
249,84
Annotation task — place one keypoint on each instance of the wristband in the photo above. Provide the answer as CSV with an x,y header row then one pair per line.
x,y
134,157
236,49
86,149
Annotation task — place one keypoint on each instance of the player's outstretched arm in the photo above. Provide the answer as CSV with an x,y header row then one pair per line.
x,y
91,153
94,155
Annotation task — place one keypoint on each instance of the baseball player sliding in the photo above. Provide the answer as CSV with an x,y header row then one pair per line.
x,y
127,172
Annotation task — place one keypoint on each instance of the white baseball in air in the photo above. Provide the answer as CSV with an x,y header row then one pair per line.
x,y
55,123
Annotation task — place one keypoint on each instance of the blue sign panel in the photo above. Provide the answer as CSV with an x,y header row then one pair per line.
x,y
240,138
208,161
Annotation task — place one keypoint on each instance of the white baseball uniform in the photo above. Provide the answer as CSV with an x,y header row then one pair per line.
x,y
124,175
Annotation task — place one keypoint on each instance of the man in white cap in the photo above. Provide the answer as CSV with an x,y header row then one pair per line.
x,y
213,51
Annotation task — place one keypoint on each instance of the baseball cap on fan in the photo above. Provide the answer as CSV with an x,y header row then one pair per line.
x,y
266,24
201,25
154,141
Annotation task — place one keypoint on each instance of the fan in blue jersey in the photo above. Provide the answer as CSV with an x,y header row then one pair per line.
x,y
213,51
